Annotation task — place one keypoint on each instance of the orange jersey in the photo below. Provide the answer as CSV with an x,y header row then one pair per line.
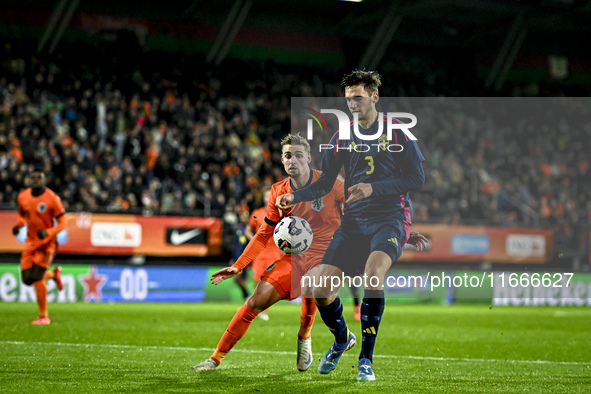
x,y
271,253
39,213
323,214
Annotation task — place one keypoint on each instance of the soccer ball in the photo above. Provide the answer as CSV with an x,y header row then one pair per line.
x,y
293,235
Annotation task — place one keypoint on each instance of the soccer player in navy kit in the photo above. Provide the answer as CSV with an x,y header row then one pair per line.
x,y
377,219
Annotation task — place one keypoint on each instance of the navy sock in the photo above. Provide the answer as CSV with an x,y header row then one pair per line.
x,y
372,309
332,314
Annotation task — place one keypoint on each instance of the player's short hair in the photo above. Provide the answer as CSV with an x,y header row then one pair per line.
x,y
370,80
295,139
38,168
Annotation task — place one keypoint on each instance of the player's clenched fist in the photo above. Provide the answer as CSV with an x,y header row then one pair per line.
x,y
284,201
223,274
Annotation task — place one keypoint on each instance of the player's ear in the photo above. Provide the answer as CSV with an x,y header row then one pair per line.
x,y
375,97
309,158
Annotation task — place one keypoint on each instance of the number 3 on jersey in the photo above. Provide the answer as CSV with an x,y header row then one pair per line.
x,y
370,164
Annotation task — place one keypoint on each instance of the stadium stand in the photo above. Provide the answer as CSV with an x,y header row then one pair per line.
x,y
131,131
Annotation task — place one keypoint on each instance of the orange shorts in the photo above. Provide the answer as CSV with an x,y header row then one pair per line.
x,y
259,265
286,273
41,257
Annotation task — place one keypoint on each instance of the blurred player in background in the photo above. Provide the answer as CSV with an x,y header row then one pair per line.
x,y
277,280
377,220
38,207
243,235
268,255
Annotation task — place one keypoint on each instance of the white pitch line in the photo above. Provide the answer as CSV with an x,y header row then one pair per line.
x,y
206,349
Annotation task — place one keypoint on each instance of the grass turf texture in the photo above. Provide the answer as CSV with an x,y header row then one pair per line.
x,y
421,348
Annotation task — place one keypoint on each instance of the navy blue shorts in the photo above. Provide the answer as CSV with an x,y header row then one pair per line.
x,y
356,239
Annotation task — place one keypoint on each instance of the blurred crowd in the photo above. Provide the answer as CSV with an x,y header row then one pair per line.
x,y
512,161
129,132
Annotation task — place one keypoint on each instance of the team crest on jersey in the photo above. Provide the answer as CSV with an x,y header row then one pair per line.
x,y
317,204
42,207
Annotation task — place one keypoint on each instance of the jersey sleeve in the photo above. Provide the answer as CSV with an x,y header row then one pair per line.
x,y
255,246
58,212
273,216
58,207
330,168
411,163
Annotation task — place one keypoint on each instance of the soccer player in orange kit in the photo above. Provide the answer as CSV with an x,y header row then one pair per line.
x,y
281,280
38,206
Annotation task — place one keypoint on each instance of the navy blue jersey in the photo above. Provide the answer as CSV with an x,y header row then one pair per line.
x,y
392,167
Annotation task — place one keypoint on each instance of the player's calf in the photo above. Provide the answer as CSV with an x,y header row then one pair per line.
x,y
57,277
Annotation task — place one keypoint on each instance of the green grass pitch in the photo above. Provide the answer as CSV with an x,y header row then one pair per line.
x,y
149,348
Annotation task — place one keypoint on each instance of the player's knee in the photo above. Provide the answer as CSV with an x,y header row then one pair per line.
x,y
257,304
374,279
323,292
323,301
374,285
317,292
323,295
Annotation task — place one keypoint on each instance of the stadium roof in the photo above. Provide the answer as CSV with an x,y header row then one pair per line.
x,y
549,27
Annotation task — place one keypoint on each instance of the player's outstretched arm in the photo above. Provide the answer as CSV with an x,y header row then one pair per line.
x,y
254,247
223,274
418,241
284,202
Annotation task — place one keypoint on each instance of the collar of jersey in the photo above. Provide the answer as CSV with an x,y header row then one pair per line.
x,y
309,180
37,195
370,130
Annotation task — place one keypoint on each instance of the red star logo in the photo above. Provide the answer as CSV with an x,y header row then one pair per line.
x,y
93,285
